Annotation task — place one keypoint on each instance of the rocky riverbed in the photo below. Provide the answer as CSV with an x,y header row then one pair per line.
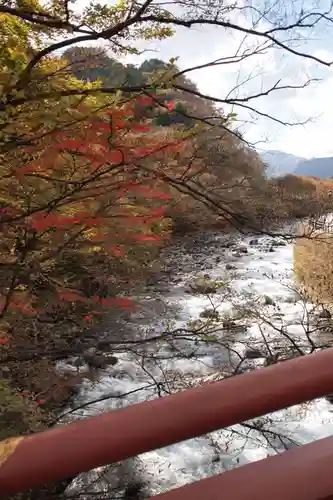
x,y
237,296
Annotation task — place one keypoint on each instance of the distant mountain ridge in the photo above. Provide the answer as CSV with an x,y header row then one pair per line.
x,y
319,167
279,164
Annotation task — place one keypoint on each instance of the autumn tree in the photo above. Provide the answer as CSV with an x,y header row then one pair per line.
x,y
124,23
86,182
42,100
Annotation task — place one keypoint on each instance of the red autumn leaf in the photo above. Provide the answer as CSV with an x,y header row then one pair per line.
x,y
41,221
24,307
143,151
117,250
73,144
41,401
119,123
124,303
101,125
140,127
171,105
161,196
115,156
142,237
7,211
3,340
30,168
71,297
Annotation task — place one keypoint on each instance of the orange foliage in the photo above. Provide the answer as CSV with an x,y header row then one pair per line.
x,y
322,185
94,188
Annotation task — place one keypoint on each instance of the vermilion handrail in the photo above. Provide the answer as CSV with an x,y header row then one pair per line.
x,y
304,473
67,450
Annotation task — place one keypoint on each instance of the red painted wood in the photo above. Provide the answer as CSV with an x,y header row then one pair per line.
x,y
304,473
67,450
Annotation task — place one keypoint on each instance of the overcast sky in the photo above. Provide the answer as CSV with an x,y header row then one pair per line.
x,y
202,45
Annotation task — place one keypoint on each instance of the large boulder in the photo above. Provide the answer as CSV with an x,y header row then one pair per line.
x,y
202,285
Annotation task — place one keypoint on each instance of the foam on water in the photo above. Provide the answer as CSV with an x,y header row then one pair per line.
x,y
259,273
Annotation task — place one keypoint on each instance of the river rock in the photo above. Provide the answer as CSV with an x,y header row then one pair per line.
x,y
202,285
177,279
229,324
104,345
161,287
134,490
151,281
325,314
226,244
329,397
209,314
79,362
278,315
271,359
243,249
229,267
279,243
5,371
99,361
253,354
268,301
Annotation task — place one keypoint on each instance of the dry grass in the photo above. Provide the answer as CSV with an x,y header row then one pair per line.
x,y
321,185
313,266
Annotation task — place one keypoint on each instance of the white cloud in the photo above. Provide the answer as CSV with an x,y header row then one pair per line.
x,y
201,45
314,138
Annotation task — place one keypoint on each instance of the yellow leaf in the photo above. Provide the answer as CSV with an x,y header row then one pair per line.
x,y
7,447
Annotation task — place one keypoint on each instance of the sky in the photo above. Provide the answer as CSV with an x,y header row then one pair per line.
x,y
314,103
312,106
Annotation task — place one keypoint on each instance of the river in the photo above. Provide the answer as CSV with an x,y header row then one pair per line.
x,y
254,315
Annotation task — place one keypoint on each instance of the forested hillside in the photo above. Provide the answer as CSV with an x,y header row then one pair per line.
x,y
221,160
177,105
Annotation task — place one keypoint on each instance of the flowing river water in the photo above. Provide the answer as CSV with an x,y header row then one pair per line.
x,y
259,307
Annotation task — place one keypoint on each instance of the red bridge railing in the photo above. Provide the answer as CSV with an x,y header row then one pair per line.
x,y
304,473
